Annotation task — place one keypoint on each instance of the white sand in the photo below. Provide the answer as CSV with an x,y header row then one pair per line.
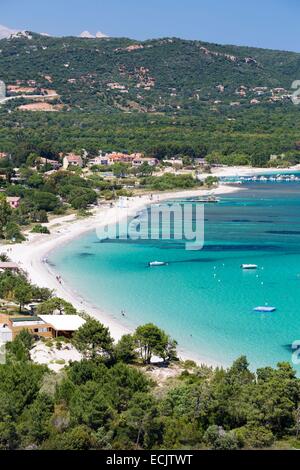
x,y
31,255
248,171
56,359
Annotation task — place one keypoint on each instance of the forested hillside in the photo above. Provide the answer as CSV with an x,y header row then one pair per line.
x,y
163,75
255,134
164,97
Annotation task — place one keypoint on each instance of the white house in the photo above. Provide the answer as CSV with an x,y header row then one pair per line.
x,y
72,160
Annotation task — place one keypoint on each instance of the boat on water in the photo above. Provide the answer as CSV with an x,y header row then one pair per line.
x,y
203,200
209,199
265,309
273,178
249,266
153,264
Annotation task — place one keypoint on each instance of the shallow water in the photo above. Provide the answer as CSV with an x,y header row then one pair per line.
x,y
203,298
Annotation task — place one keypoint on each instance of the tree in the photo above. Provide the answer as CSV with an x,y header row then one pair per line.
x,y
90,406
218,439
12,232
32,159
93,339
41,294
169,353
56,304
82,201
5,213
125,349
255,437
26,339
120,169
18,349
40,229
35,180
78,438
152,340
23,295
211,181
36,420
145,169
239,373
9,439
45,201
141,418
21,381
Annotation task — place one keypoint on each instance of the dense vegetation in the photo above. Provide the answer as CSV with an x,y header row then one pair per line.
x,y
163,75
254,134
109,400
170,106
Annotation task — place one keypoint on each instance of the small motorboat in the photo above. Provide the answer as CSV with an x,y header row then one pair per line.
x,y
153,264
249,266
265,309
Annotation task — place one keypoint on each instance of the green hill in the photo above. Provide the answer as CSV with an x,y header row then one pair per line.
x,y
164,97
163,75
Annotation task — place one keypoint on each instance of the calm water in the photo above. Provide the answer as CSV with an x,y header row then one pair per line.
x,y
203,298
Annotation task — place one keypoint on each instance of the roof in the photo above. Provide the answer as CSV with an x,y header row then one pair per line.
x,y
64,322
26,321
73,158
145,159
50,162
13,199
8,265
4,318
120,157
4,328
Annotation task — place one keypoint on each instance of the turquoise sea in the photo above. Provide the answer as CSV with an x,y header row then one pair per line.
x,y
203,298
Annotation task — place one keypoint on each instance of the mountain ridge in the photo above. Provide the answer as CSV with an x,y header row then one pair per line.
x,y
168,75
6,31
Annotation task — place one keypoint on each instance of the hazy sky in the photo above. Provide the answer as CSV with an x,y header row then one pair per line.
x,y
263,23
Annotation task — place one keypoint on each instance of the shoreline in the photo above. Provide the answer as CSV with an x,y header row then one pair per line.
x,y
31,255
238,171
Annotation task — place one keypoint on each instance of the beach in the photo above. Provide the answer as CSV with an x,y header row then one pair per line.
x,y
238,171
32,254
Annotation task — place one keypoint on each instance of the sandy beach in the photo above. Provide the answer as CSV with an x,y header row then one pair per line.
x,y
223,172
32,254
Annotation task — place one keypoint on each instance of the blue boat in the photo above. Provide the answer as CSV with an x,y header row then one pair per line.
x,y
265,309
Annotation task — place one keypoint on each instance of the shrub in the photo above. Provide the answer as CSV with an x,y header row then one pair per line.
x,y
38,228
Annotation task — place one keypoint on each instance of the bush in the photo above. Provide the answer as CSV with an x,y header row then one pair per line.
x,y
254,437
40,229
218,439
13,233
169,181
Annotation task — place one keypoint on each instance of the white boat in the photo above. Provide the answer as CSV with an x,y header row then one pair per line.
x,y
249,266
157,263
265,309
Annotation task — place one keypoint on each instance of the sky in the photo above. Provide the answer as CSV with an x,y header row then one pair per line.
x,y
270,24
